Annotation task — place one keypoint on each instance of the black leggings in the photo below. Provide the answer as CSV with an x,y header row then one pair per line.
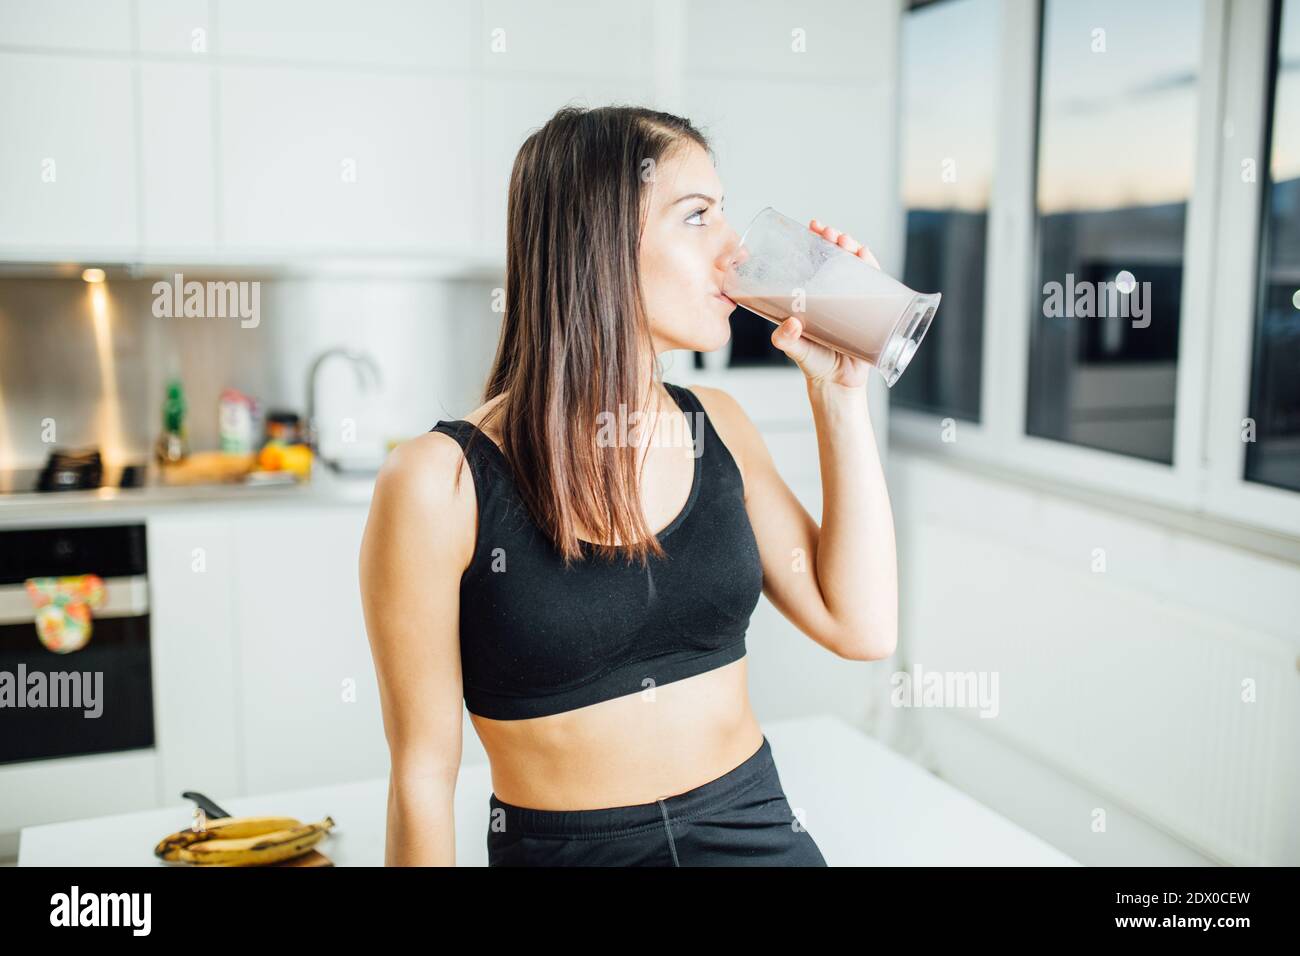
x,y
739,819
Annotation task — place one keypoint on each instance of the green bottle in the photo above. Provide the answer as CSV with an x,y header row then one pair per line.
x,y
173,444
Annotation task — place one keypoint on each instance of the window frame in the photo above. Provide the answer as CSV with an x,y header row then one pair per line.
x,y
926,429
1248,107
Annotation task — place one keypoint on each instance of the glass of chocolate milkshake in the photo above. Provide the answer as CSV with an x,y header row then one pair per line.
x,y
844,303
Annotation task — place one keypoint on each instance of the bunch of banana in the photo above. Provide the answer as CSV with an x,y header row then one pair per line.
x,y
243,841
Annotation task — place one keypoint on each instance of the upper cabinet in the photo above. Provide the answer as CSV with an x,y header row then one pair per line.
x,y
572,39
349,130
437,35
179,28
175,130
536,58
343,161
241,130
87,25
68,161
178,171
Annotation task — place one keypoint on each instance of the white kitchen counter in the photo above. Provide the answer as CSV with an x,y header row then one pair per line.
x,y
864,804
91,506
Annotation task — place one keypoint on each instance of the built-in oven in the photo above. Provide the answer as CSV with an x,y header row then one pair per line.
x,y
92,700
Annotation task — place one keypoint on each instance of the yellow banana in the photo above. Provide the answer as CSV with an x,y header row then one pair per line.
x,y
259,850
223,828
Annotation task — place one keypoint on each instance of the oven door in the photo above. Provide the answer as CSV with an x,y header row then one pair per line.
x,y
98,699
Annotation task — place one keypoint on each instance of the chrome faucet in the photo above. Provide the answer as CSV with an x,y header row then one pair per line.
x,y
367,370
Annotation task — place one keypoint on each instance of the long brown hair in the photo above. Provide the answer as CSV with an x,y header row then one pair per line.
x,y
576,333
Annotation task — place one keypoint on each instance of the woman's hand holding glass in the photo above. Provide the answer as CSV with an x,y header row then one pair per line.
x,y
820,364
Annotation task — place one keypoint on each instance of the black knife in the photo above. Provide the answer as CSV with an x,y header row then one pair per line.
x,y
205,804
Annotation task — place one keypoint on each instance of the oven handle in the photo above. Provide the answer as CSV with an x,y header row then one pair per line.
x,y
126,596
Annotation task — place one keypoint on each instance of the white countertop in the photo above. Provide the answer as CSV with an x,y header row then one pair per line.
x,y
325,487
863,803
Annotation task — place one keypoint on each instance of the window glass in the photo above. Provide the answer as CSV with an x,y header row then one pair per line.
x,y
1273,456
1116,149
947,117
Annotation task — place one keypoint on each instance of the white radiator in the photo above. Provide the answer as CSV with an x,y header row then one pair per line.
x,y
1123,689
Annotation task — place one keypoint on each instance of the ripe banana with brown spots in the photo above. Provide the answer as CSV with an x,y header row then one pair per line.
x,y
243,841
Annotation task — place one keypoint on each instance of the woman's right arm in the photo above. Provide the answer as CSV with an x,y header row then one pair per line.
x,y
419,537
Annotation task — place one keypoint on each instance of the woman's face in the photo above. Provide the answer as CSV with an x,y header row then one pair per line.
x,y
687,247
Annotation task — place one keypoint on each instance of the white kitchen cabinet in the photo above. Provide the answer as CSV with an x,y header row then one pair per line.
x,y
308,707
67,156
178,208
192,633
844,40
576,38
174,27
66,24
513,107
244,131
51,791
320,160
438,34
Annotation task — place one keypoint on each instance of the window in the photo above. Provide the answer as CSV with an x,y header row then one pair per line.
x,y
947,115
1116,147
1273,457
1142,249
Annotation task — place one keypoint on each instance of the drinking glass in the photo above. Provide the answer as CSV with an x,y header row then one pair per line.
x,y
844,302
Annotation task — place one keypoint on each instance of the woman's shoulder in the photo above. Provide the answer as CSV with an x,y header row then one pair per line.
x,y
420,511
419,479
426,462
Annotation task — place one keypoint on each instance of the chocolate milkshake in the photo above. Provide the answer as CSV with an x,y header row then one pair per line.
x,y
855,324
844,303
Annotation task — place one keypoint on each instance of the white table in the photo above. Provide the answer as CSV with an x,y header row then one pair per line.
x,y
864,805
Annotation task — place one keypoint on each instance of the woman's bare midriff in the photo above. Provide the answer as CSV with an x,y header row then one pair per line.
x,y
629,750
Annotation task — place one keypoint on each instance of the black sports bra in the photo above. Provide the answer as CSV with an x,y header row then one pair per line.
x,y
539,639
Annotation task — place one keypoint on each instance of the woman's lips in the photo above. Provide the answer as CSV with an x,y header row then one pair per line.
x,y
724,298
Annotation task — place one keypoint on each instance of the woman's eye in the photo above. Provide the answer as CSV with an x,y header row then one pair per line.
x,y
698,212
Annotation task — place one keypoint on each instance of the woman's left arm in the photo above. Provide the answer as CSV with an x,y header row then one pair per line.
x,y
837,583
856,563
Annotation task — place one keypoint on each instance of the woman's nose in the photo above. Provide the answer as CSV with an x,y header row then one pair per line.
x,y
739,254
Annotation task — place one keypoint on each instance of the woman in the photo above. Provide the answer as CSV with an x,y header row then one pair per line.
x,y
607,682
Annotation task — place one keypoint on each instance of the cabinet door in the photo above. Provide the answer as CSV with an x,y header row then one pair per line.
x,y
192,631
514,106
178,28
343,162
179,199
407,34
67,157
309,701
67,24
